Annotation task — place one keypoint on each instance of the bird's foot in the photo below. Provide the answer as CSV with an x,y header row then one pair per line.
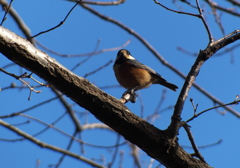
x,y
133,95
129,95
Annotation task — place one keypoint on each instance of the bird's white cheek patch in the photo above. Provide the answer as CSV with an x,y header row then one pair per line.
x,y
130,57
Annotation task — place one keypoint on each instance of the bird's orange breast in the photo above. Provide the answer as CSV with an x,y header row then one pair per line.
x,y
132,77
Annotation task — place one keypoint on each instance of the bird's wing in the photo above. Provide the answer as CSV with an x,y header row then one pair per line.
x,y
138,64
157,79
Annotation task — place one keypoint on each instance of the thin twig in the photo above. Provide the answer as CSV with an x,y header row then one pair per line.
x,y
188,3
121,157
95,52
187,52
66,134
205,146
194,107
212,4
210,37
190,137
151,163
175,11
234,2
200,15
115,152
22,123
50,125
157,110
60,24
141,104
29,108
16,17
68,148
69,109
101,3
89,56
98,69
204,111
135,154
23,81
218,21
162,99
6,12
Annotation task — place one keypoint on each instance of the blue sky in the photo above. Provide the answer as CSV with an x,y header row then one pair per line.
x,y
165,31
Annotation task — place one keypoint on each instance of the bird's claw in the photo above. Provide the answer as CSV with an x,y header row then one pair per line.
x,y
133,95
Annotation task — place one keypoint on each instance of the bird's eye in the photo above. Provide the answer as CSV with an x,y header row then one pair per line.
x,y
123,54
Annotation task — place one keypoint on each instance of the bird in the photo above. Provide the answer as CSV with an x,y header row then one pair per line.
x,y
133,75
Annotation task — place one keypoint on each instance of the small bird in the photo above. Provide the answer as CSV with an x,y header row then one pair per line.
x,y
134,75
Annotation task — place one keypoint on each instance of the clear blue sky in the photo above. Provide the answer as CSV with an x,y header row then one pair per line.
x,y
165,31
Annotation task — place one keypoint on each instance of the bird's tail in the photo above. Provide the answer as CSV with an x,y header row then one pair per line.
x,y
163,82
169,85
158,79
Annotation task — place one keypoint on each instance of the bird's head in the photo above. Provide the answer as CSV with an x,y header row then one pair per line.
x,y
124,55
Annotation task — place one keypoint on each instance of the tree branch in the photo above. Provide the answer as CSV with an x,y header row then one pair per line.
x,y
203,56
106,108
45,145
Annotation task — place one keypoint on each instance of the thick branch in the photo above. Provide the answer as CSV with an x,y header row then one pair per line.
x,y
202,57
103,106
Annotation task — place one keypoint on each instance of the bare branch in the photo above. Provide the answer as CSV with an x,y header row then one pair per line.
x,y
190,137
218,20
210,37
115,152
101,3
203,56
192,14
45,145
234,2
205,146
6,12
60,24
28,109
68,148
135,154
23,81
196,115
213,4
69,110
22,26
85,54
98,69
